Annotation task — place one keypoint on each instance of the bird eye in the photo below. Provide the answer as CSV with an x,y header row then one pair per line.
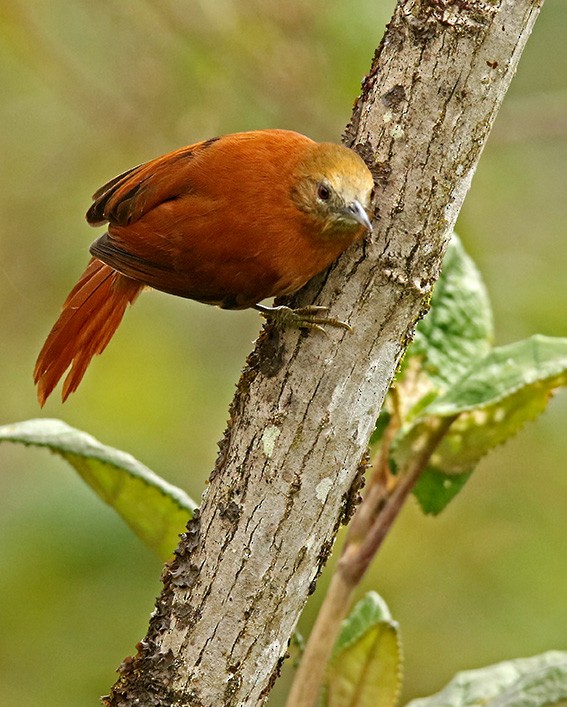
x,y
323,192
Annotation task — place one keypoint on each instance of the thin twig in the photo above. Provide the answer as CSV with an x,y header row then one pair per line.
x,y
362,544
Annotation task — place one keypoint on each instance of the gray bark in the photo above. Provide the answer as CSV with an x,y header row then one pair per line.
x,y
292,457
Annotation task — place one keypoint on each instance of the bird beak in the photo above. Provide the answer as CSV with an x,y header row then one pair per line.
x,y
356,211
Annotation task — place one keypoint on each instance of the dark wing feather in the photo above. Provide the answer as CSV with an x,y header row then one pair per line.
x,y
130,195
109,251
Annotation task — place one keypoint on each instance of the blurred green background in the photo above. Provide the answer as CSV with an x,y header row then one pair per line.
x,y
90,89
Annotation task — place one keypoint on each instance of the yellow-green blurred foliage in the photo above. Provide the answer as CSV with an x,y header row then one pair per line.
x,y
91,88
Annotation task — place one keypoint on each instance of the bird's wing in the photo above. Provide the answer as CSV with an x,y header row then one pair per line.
x,y
139,265
126,198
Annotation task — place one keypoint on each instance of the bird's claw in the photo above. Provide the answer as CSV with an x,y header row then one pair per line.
x,y
311,317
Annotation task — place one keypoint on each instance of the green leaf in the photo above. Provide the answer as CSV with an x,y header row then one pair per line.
x,y
458,329
509,387
503,391
365,669
434,489
538,363
366,613
381,425
155,510
525,682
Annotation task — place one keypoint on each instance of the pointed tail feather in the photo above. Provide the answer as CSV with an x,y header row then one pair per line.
x,y
90,316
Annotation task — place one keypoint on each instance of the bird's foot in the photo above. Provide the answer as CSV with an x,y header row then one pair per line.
x,y
312,317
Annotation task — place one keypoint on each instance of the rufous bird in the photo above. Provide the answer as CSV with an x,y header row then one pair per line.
x,y
229,221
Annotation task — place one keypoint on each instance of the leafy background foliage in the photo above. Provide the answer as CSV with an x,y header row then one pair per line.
x,y
90,89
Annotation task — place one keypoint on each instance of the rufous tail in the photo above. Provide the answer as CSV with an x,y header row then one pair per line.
x,y
90,316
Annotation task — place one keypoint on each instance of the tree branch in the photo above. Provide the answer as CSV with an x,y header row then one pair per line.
x,y
290,462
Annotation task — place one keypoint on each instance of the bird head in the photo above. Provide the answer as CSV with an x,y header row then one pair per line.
x,y
333,185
